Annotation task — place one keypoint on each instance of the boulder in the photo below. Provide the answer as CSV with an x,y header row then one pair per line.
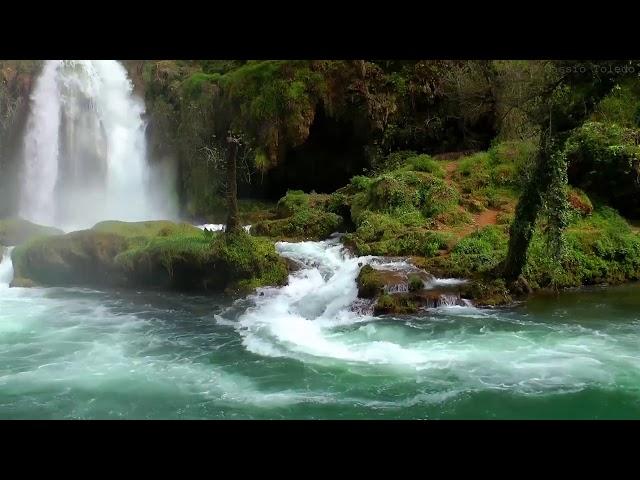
x,y
150,254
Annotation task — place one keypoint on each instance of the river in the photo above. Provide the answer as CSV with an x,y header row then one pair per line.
x,y
310,350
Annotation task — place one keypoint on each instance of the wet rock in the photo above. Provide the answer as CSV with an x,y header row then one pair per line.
x,y
293,265
401,289
373,282
489,293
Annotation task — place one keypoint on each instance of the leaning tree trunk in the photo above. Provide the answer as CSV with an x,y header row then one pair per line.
x,y
233,224
527,212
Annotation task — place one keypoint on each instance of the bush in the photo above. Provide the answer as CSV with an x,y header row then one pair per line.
x,y
480,251
424,163
601,248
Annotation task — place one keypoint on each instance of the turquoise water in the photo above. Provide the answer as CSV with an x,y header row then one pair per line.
x,y
306,352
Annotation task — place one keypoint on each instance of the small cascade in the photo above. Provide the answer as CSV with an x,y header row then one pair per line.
x,y
451,300
397,288
6,268
218,227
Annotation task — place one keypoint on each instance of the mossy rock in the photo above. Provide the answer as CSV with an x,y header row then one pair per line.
x,y
162,228
369,281
394,305
15,231
79,258
416,283
229,262
19,282
150,254
248,262
373,282
487,293
304,224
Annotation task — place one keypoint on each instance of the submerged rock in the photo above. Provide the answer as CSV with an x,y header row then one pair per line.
x,y
15,231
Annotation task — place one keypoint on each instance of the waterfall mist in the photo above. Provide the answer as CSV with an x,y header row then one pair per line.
x,y
85,150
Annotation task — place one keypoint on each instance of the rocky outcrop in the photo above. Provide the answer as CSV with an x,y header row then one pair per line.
x,y
150,254
401,292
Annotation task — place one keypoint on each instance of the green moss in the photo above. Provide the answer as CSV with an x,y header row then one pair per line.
x,y
453,217
601,248
394,305
399,191
415,283
15,231
479,252
381,234
248,262
162,228
79,258
424,163
151,254
304,216
621,106
292,202
193,86
369,282
304,224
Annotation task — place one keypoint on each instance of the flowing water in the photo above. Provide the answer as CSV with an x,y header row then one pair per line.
x,y
311,350
84,149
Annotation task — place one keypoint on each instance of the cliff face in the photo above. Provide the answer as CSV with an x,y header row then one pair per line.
x,y
16,82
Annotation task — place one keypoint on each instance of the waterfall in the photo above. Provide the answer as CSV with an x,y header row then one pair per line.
x,y
85,151
6,268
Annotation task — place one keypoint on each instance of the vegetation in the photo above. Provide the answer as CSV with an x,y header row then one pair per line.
x,y
516,174
155,254
302,217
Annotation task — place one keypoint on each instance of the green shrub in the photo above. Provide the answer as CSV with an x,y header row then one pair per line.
x,y
424,163
480,251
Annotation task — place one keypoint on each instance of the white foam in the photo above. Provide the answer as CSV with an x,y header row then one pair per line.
x,y
218,227
6,268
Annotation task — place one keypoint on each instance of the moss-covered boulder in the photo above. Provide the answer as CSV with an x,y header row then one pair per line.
x,y
78,258
371,282
303,225
414,301
302,216
394,305
14,231
150,254
397,292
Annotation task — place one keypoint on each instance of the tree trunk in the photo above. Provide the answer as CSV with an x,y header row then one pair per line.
x,y
527,212
233,224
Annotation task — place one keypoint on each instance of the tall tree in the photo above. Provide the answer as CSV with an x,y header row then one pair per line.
x,y
560,103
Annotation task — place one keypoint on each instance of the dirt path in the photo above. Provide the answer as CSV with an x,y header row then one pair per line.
x,y
486,217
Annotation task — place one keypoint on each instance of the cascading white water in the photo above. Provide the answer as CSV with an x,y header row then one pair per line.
x,y
6,268
85,152
300,318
